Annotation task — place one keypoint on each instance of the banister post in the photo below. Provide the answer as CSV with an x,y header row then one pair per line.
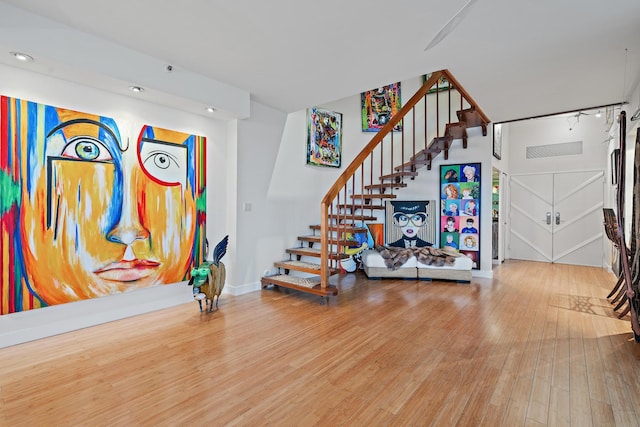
x,y
324,245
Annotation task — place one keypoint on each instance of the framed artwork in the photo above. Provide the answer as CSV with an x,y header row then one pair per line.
x,y
410,223
94,205
497,140
460,209
379,106
324,137
443,83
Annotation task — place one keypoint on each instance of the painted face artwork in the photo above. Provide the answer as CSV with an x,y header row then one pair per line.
x,y
102,212
410,223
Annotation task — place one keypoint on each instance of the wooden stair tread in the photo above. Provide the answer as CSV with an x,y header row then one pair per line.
x,y
305,267
409,166
457,130
360,206
343,228
349,243
440,143
312,252
437,145
415,164
307,284
472,119
398,175
351,217
373,196
385,185
424,156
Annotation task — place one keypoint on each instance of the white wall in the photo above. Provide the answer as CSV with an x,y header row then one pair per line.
x,y
591,130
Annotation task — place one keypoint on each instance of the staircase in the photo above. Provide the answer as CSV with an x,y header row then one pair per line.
x,y
376,174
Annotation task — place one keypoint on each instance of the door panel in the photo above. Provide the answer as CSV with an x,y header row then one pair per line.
x,y
574,201
578,199
531,198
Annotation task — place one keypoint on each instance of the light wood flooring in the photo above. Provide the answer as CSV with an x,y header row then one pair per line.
x,y
536,345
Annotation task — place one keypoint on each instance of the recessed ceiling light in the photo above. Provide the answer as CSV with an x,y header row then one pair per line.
x,y
211,109
22,56
136,88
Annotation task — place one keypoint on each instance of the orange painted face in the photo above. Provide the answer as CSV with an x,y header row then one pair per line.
x,y
100,217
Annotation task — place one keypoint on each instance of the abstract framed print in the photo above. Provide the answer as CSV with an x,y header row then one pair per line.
x,y
324,137
379,106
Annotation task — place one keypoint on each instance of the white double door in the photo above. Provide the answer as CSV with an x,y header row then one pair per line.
x,y
557,217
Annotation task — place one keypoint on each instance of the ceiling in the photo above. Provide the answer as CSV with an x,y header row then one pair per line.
x,y
516,58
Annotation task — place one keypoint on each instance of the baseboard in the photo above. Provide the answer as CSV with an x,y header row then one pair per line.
x,y
242,289
24,326
486,274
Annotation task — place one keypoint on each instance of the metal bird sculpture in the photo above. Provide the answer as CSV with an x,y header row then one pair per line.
x,y
208,279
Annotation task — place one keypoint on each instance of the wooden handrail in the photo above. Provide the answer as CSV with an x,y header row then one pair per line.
x,y
350,171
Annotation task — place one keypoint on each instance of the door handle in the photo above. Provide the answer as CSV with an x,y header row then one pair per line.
x,y
557,218
548,218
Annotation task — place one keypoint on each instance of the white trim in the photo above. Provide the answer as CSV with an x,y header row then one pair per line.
x,y
555,172
486,274
242,289
30,325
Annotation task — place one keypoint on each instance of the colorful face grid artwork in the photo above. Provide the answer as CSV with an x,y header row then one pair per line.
x,y
93,206
460,209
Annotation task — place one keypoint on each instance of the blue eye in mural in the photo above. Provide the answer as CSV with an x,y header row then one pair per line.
x,y
86,148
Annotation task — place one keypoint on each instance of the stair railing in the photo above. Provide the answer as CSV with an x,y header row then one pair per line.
x,y
383,158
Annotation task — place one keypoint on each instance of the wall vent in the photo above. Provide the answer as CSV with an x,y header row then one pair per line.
x,y
554,150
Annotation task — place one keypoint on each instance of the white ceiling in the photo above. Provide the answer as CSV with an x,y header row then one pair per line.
x,y
516,58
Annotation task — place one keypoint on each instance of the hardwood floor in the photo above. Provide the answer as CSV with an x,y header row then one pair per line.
x,y
537,345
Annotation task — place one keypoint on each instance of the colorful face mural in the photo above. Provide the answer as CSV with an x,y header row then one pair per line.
x,y
93,209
